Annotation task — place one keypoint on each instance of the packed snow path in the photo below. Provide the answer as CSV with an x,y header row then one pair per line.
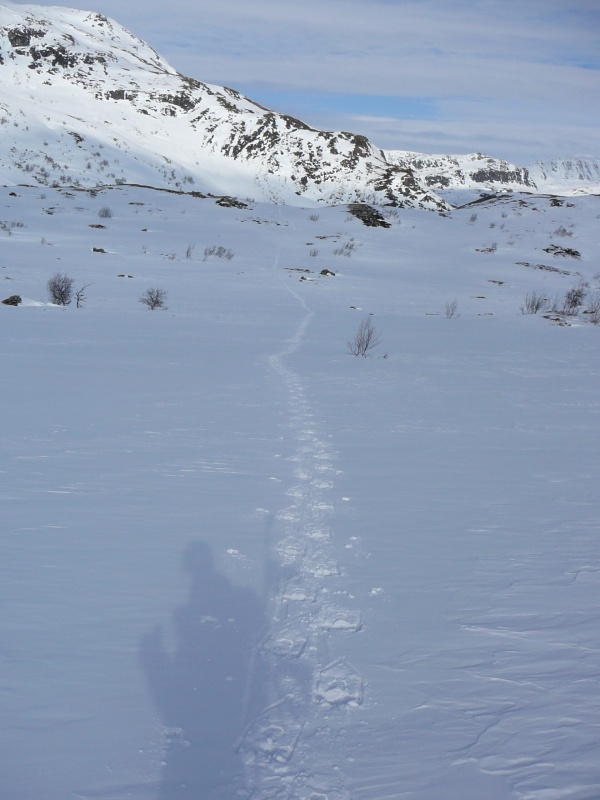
x,y
309,687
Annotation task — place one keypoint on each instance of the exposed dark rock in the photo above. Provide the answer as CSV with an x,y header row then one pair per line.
x,y
437,181
13,300
565,252
368,215
228,202
183,100
543,267
21,37
58,53
501,176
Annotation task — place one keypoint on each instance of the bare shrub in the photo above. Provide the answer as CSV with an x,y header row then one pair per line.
x,y
8,227
571,303
217,251
534,302
562,231
473,218
491,249
80,297
189,251
451,307
364,340
105,213
314,218
345,249
593,308
314,252
60,289
154,298
574,298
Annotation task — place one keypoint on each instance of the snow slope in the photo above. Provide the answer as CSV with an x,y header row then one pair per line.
x,y
236,561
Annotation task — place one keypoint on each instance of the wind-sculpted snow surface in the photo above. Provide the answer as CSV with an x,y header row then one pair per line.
x,y
237,562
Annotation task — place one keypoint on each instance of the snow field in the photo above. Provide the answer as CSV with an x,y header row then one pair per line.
x,y
236,561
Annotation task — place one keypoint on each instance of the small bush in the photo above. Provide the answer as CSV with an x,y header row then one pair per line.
x,y
534,302
593,308
105,213
570,304
562,231
473,218
60,289
364,340
574,298
217,252
451,307
80,297
314,218
345,249
154,298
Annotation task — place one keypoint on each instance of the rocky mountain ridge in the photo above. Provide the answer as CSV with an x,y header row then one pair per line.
x,y
83,102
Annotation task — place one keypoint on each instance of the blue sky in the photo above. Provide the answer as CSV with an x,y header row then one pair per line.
x,y
518,79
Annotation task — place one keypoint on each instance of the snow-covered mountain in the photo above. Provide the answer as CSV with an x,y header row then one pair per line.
x,y
479,172
473,171
570,176
83,102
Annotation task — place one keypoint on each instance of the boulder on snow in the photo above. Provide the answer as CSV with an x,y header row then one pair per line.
x,y
13,300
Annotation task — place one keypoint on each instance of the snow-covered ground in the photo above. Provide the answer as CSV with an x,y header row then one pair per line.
x,y
236,561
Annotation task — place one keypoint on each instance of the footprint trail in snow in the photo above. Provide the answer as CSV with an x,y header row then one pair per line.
x,y
287,748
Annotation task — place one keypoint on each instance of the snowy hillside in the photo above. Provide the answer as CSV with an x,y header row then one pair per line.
x,y
237,561
84,102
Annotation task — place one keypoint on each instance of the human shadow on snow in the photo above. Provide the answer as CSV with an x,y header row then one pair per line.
x,y
208,689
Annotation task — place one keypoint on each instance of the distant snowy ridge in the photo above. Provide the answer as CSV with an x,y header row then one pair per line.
x,y
83,102
478,171
571,176
473,171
